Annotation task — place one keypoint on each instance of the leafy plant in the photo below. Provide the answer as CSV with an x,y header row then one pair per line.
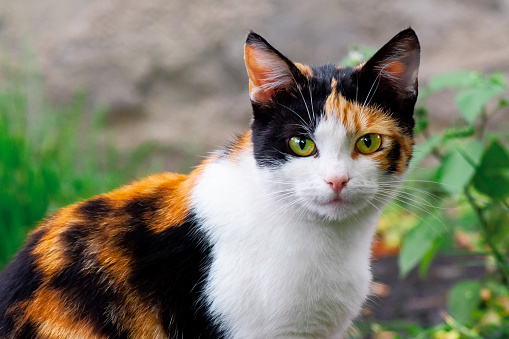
x,y
473,164
470,210
52,156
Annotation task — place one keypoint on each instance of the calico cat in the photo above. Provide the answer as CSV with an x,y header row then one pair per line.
x,y
267,238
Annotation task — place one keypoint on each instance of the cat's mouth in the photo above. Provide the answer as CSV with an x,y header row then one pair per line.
x,y
334,202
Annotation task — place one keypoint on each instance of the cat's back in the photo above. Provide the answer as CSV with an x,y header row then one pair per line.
x,y
109,267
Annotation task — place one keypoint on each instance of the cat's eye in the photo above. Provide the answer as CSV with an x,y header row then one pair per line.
x,y
302,146
369,143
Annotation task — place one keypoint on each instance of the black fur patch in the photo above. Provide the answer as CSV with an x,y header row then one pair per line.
x,y
27,330
294,113
18,281
393,156
169,269
87,290
95,208
74,241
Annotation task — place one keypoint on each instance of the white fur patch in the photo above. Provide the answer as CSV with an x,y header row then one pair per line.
x,y
286,263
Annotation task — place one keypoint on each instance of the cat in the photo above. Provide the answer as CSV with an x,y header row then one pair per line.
x,y
268,238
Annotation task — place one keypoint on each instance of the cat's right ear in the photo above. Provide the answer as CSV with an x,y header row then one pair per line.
x,y
396,65
269,71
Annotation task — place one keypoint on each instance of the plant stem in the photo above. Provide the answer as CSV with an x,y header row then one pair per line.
x,y
501,260
482,124
435,151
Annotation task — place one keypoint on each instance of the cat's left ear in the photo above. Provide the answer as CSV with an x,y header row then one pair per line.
x,y
396,64
269,71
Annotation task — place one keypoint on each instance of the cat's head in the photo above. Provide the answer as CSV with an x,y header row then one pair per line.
x,y
333,140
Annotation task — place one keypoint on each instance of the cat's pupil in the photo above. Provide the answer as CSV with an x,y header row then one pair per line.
x,y
367,141
302,143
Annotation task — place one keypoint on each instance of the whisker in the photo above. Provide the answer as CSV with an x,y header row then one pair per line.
x,y
311,98
422,209
293,111
417,216
303,99
367,101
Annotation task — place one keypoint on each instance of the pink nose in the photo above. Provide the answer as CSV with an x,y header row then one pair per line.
x,y
337,183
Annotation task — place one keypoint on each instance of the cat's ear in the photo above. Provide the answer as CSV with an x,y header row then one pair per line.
x,y
396,64
269,71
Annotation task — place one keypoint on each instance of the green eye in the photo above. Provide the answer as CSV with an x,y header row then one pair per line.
x,y
369,143
302,146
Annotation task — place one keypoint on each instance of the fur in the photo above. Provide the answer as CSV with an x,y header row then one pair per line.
x,y
257,242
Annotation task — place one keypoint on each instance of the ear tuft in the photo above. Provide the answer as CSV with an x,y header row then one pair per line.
x,y
397,63
268,70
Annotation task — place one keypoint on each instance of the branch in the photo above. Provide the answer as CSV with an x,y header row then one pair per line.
x,y
501,260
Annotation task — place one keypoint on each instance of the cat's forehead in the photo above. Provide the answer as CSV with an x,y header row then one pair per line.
x,y
342,102
357,118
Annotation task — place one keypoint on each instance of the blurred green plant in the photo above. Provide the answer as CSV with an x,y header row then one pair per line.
x,y
357,55
473,171
466,213
50,157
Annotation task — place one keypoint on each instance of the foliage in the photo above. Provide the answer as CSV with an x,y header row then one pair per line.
x,y
467,212
51,157
357,55
474,164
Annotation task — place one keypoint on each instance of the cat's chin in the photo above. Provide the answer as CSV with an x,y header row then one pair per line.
x,y
340,208
333,209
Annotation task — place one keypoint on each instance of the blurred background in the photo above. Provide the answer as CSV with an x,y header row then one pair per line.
x,y
168,80
172,71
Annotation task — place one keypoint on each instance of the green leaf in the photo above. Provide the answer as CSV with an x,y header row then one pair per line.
x,y
421,119
455,173
472,152
452,80
357,55
417,242
463,299
498,79
472,101
492,177
428,257
503,102
458,132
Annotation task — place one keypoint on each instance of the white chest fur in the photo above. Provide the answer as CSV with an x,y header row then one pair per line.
x,y
275,272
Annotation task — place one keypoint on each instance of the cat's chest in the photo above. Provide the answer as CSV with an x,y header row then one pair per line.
x,y
277,276
285,281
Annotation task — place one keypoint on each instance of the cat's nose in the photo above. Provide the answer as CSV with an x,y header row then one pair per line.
x,y
337,183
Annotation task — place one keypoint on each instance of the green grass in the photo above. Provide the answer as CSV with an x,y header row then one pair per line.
x,y
51,157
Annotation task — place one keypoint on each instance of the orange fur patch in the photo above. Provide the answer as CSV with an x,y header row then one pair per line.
x,y
359,120
143,321
304,69
172,189
53,317
395,68
49,250
257,74
242,144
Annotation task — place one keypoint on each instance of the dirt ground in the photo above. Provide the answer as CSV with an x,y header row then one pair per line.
x,y
414,299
